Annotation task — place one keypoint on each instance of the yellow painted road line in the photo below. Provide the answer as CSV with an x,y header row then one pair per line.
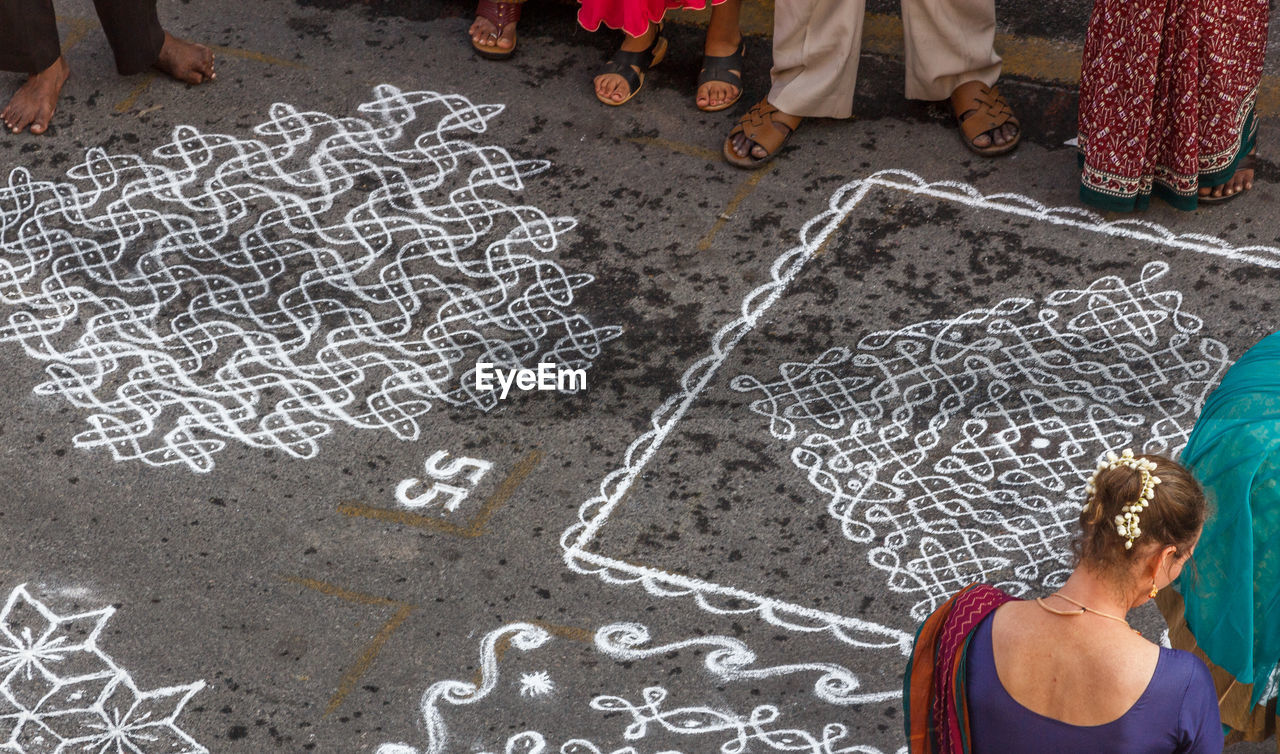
x,y
746,189
366,658
474,528
80,28
124,105
369,653
693,150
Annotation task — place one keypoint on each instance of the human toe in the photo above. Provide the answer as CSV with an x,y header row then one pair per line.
x,y
19,121
737,144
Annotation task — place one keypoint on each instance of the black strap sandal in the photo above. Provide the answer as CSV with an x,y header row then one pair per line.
x,y
725,69
632,65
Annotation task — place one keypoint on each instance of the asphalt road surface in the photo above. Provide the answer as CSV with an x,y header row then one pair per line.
x,y
254,501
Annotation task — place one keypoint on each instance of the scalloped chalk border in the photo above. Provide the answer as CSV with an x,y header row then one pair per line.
x,y
721,599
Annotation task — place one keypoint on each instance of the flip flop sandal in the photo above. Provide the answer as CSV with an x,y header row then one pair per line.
x,y
726,69
761,129
1250,162
987,112
500,13
625,63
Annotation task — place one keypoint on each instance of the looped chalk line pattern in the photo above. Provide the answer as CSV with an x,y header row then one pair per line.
x,y
958,449
336,270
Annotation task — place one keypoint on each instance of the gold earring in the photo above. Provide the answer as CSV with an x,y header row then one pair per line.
x,y
1152,594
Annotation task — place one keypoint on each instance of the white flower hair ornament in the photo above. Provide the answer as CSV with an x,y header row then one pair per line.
x,y
1127,520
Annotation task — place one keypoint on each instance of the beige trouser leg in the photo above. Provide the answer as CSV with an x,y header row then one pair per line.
x,y
815,56
948,42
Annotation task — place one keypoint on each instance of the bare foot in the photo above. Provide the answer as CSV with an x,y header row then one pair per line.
x,y
484,33
186,61
611,86
1241,180
35,101
715,94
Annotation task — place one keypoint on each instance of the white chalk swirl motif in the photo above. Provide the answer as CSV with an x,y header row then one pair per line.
x,y
338,270
729,659
714,727
958,449
522,636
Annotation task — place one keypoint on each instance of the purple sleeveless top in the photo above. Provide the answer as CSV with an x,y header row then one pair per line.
x,y
1177,714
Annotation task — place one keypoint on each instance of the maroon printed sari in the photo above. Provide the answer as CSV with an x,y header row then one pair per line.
x,y
933,695
1167,91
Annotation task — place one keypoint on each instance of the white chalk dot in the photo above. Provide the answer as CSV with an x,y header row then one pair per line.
x,y
1040,443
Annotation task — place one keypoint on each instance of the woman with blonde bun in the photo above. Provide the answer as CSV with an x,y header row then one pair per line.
x,y
1065,672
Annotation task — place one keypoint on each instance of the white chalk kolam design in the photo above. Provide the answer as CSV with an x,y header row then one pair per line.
x,y
581,553
336,270
708,728
61,693
959,449
730,660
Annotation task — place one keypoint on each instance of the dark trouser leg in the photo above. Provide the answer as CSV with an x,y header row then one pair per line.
x,y
134,32
28,35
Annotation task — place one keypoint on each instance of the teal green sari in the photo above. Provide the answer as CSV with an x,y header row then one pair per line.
x,y
1231,587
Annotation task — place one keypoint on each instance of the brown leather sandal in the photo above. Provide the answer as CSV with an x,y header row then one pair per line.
x,y
500,13
762,129
987,111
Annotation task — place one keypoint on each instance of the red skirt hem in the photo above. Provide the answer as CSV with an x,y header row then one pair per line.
x,y
631,17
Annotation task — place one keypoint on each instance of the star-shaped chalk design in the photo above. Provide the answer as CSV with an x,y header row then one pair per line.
x,y
536,684
60,693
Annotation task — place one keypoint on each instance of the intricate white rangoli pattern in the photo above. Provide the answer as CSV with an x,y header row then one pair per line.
x,y
959,448
707,726
341,270
62,694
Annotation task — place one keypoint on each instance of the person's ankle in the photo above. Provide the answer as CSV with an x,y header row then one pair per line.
x,y
58,69
722,41
642,42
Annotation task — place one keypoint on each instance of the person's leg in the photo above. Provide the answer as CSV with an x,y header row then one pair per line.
x,y
139,42
1232,52
612,86
949,43
815,65
723,38
28,36
29,44
815,57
